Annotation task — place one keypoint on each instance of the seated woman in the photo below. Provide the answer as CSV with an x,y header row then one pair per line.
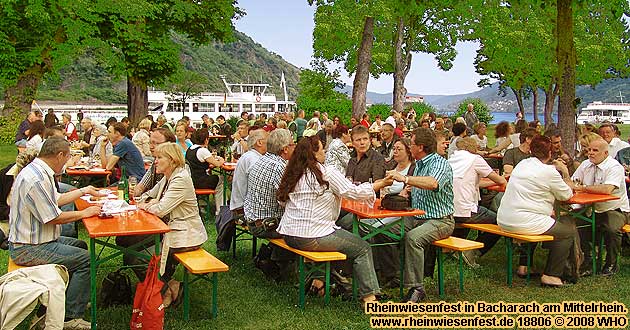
x,y
405,165
502,133
141,138
181,133
173,200
99,132
338,154
312,196
527,206
35,135
199,159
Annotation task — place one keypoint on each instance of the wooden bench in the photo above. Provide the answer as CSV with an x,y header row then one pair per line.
x,y
200,263
455,244
204,194
510,239
313,261
12,266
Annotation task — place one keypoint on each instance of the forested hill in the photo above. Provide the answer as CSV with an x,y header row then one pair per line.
x,y
240,61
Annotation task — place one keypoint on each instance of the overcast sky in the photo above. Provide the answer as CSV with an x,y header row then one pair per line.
x,y
285,27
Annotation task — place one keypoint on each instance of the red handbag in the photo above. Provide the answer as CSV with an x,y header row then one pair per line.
x,y
148,311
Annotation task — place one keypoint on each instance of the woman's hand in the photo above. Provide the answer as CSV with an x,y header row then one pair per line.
x,y
394,175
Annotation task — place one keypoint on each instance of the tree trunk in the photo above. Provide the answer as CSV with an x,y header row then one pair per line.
x,y
519,100
401,69
535,101
362,75
550,98
20,96
566,59
137,99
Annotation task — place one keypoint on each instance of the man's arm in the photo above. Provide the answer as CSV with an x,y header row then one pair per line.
x,y
72,216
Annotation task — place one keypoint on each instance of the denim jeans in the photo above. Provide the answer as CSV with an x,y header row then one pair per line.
x,y
483,215
420,236
71,253
68,229
356,250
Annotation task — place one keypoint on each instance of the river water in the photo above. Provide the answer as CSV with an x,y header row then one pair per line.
x,y
510,117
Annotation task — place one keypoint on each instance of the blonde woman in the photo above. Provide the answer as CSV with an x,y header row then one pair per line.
x,y
141,138
173,200
181,137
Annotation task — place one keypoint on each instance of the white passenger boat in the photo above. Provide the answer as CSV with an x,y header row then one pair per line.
x,y
252,98
599,112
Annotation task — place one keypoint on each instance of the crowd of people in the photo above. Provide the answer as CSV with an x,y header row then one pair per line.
x,y
292,174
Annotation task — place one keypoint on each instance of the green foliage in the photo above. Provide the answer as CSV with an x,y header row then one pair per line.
x,y
9,126
341,107
379,109
319,83
480,109
421,108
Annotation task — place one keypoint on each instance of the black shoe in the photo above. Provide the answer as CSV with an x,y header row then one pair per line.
x,y
415,295
610,270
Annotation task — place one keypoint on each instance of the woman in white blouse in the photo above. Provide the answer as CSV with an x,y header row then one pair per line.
x,y
312,196
35,134
338,154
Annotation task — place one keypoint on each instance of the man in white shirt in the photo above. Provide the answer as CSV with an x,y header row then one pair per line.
x,y
240,145
601,174
468,169
607,131
257,143
391,119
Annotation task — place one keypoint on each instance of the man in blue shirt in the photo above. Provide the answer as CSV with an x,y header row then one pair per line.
x,y
431,191
126,154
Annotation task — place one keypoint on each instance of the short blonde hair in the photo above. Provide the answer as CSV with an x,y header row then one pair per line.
x,y
172,151
145,123
589,137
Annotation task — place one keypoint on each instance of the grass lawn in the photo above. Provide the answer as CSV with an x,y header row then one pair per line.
x,y
248,301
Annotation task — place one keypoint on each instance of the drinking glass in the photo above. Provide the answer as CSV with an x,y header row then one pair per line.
x,y
133,182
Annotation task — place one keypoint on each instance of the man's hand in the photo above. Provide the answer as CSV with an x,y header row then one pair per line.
x,y
561,167
91,211
394,175
90,190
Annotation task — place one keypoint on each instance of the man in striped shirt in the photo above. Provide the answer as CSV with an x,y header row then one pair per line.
x,y
431,191
35,219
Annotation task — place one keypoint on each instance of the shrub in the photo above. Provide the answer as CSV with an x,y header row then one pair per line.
x,y
480,109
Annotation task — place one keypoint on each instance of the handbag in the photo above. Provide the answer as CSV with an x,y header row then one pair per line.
x,y
395,202
148,311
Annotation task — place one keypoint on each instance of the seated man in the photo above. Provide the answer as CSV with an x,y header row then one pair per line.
x,y
468,169
366,163
514,155
386,145
432,191
601,174
34,232
126,154
257,144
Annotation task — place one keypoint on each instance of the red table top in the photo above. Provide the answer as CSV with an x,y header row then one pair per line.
x,y
364,211
229,166
77,172
140,223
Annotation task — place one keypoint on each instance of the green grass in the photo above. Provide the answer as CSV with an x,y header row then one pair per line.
x,y
249,301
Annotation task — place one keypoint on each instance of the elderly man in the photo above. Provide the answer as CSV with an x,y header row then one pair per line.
x,y
325,134
240,145
386,146
468,169
22,133
126,154
431,191
470,117
601,174
257,144
87,143
607,132
366,163
262,211
34,236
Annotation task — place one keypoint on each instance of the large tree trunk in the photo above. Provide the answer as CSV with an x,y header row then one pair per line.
x,y
550,99
519,100
535,101
401,69
362,75
20,96
137,99
566,58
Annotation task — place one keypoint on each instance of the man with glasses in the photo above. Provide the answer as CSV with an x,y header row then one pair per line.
x,y
34,219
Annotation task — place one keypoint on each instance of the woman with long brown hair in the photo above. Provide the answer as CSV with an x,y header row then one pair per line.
x,y
311,194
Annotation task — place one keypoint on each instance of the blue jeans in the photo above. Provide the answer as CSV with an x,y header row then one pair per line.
x,y
66,251
356,250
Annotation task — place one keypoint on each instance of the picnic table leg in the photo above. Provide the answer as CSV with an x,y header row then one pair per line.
x,y
186,297
440,272
508,246
207,198
93,282
302,277
593,241
355,230
327,288
402,257
215,289
461,273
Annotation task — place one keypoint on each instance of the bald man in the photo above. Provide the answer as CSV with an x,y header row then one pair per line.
x,y
601,174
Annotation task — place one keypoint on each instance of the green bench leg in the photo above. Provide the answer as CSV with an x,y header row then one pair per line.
x,y
215,289
327,287
302,276
508,247
461,272
186,297
440,260
401,256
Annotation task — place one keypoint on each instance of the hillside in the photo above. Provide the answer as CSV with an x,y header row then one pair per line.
x,y
606,91
243,60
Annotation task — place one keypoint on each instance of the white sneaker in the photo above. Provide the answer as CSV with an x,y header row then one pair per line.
x,y
77,324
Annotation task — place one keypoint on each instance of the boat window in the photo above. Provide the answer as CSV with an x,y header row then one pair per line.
x,y
205,107
175,107
264,107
